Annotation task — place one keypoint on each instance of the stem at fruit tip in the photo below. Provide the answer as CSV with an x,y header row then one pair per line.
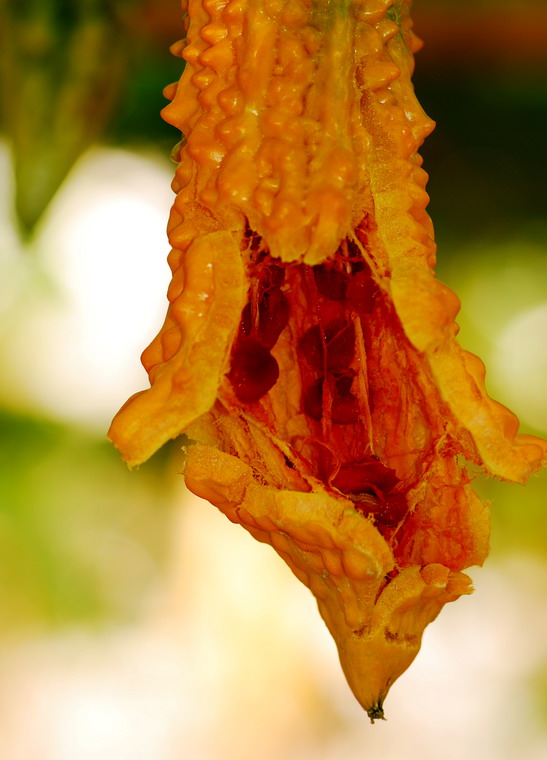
x,y
376,712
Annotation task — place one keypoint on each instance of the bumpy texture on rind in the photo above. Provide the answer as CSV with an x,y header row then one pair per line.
x,y
308,346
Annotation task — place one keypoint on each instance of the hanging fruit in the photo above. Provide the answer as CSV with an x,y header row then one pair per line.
x,y
308,348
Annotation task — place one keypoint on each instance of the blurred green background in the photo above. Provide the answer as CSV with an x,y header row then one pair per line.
x,y
85,543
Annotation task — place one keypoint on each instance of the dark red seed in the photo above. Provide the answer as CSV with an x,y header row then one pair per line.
x,y
338,341
312,400
246,325
340,345
256,242
363,292
331,282
311,347
343,382
344,406
345,409
253,370
354,252
273,315
387,512
392,510
274,275
364,476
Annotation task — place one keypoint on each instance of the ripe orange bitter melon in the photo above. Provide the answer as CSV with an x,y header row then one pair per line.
x,y
308,348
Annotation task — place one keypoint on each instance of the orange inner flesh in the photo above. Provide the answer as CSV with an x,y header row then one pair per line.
x,y
337,315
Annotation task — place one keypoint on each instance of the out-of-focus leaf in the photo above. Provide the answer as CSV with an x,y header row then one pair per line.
x,y
81,538
63,63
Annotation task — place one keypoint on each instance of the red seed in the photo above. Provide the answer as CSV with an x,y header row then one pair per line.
x,y
344,407
274,275
343,382
311,346
340,345
246,325
256,242
253,370
330,281
273,311
392,510
273,315
363,292
354,252
337,340
312,400
364,476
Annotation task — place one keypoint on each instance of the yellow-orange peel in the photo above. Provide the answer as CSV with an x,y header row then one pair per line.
x,y
308,348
